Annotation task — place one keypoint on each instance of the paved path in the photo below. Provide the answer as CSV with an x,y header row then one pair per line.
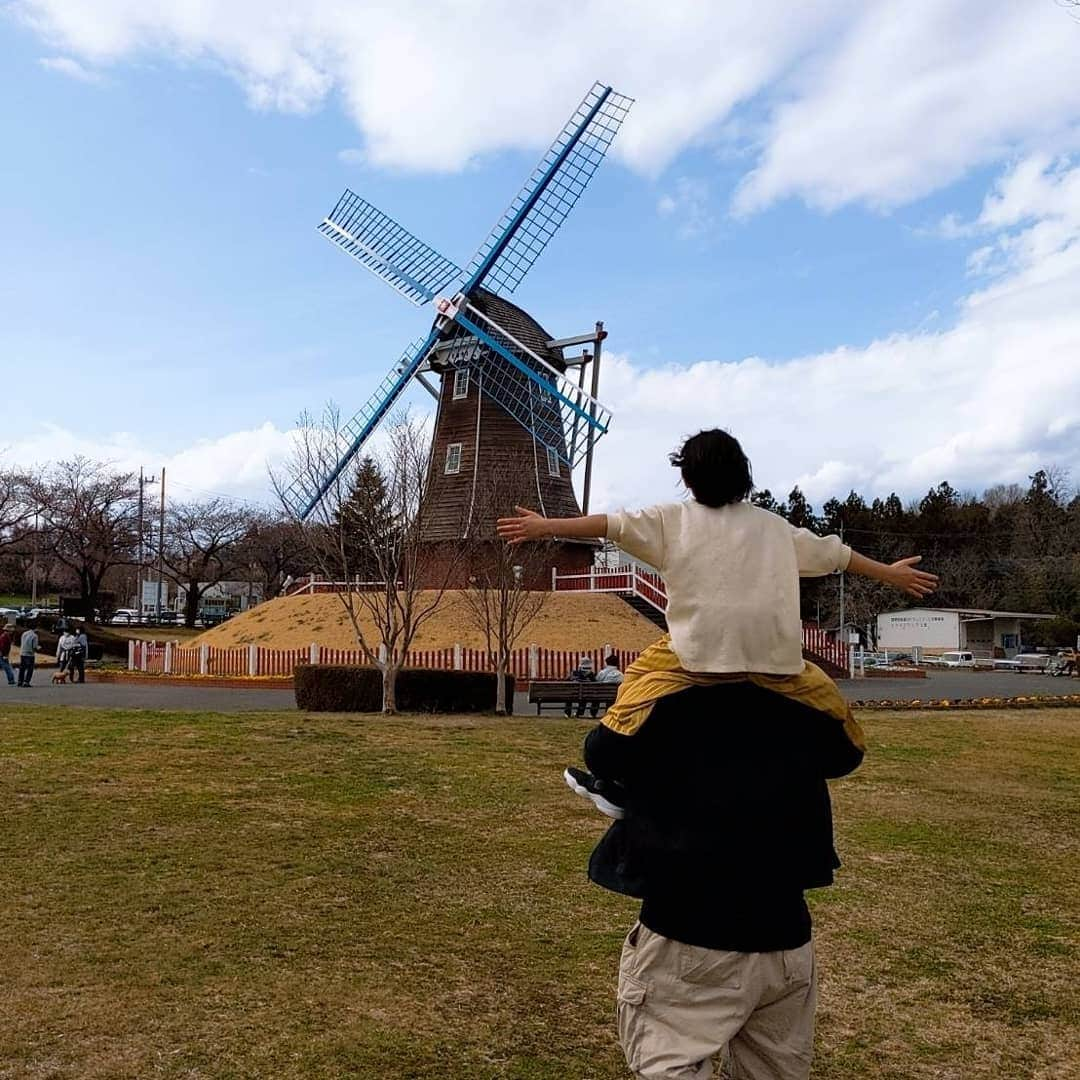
x,y
196,698
959,684
110,695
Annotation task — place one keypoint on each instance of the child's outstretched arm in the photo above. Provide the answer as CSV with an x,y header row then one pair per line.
x,y
529,525
901,574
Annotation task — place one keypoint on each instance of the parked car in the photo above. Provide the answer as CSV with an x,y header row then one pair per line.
x,y
1031,661
951,660
125,616
9,615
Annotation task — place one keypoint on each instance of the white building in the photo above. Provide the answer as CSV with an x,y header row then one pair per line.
x,y
934,630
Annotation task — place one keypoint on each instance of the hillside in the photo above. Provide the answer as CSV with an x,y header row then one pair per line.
x,y
566,621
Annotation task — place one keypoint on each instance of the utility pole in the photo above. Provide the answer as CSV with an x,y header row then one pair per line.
x,y
143,481
161,546
843,638
33,565
595,389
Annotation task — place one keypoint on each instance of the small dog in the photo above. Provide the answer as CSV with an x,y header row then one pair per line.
x,y
60,677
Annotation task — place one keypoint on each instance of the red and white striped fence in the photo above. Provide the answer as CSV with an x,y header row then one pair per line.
x,y
531,662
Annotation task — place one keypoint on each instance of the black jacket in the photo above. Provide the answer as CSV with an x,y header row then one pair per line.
x,y
723,783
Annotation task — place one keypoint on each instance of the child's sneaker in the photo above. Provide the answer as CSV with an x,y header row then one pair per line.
x,y
608,797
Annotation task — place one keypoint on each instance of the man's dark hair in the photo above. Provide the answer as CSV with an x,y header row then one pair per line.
x,y
611,661
714,468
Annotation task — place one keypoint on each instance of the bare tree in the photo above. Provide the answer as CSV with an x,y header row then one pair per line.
x,y
275,547
498,601
17,508
203,546
87,511
410,575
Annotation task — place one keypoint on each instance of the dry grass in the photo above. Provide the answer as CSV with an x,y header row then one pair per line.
x,y
566,621
276,895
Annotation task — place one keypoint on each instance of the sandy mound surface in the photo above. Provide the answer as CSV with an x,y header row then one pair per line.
x,y
566,621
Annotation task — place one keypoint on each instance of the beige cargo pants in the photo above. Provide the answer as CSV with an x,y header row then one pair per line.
x,y
680,1005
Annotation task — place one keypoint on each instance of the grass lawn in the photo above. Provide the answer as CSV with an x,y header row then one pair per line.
x,y
271,895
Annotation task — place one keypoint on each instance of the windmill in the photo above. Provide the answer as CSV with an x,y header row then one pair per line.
x,y
506,395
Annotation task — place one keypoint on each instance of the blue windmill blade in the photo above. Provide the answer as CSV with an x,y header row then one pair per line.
x,y
549,195
318,475
388,249
542,399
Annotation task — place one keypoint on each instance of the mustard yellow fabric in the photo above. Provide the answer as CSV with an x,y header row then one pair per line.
x,y
656,673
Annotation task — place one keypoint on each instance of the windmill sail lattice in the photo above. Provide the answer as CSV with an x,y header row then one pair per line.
x,y
387,249
316,478
526,386
537,395
549,195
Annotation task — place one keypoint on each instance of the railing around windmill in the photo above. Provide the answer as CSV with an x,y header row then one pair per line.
x,y
314,584
649,586
529,662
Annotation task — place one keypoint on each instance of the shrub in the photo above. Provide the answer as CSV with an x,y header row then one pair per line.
x,y
331,688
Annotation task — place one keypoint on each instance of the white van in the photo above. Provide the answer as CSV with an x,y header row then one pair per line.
x,y
952,660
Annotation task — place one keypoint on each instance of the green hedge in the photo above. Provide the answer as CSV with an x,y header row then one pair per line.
x,y
331,688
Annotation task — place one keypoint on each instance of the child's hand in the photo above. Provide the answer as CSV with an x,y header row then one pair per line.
x,y
917,583
529,526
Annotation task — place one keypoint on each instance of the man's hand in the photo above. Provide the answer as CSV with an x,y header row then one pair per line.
x,y
918,583
529,525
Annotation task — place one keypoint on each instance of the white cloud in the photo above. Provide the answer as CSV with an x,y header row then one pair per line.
x,y
867,101
64,65
234,464
990,399
914,95
689,204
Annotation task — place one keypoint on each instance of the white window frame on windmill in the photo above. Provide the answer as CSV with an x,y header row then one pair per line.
x,y
461,384
453,459
553,461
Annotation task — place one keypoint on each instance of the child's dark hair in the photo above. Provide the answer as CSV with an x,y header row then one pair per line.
x,y
714,468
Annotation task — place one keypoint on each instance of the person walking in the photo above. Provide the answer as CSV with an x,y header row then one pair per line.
x,y
720,962
77,657
28,646
5,653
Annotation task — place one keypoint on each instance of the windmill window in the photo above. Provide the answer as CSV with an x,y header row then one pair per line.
x,y
453,458
553,462
461,383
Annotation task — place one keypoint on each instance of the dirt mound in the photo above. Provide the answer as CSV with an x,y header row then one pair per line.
x,y
566,621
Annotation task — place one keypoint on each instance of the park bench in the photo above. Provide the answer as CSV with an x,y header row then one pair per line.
x,y
561,694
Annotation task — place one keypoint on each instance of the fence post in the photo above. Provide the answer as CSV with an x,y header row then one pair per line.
x,y
457,652
204,659
851,661
253,659
554,577
131,654
534,661
168,658
145,657
313,653
592,578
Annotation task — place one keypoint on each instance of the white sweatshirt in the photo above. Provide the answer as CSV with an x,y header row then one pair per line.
x,y
732,577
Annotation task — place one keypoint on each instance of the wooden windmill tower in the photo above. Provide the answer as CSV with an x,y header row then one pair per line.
x,y
508,402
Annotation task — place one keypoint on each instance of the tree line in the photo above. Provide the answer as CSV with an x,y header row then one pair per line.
x,y
1010,549
76,525
75,528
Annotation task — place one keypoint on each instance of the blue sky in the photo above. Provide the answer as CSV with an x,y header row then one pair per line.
x,y
168,296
